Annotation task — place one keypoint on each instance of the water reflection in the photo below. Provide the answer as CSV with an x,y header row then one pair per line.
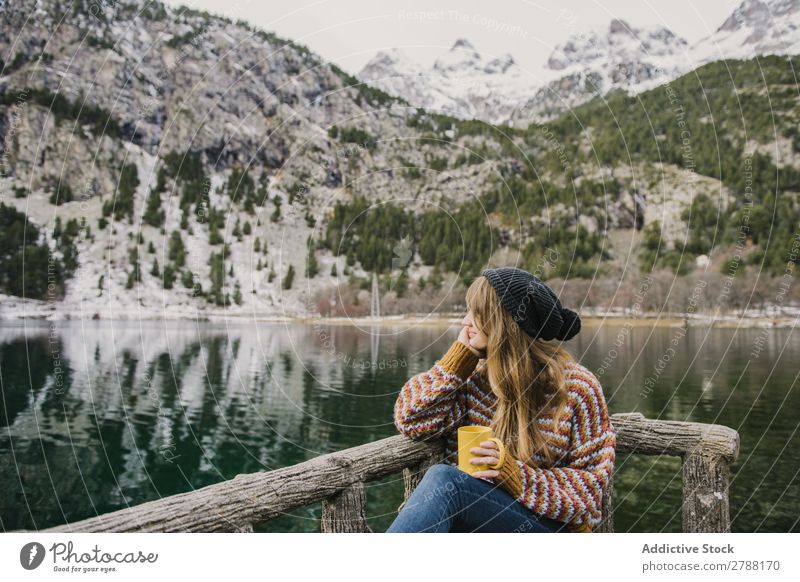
x,y
97,416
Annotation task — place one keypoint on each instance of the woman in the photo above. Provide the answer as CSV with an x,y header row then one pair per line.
x,y
549,412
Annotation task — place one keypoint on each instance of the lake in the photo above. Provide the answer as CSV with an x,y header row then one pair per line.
x,y
101,415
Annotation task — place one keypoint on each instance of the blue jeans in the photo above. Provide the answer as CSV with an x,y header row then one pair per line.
x,y
449,500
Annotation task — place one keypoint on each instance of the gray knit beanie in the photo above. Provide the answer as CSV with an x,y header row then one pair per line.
x,y
532,304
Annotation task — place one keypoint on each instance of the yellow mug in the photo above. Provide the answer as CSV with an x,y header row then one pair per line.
x,y
472,436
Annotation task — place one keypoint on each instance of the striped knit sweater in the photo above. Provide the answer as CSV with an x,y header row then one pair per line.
x,y
455,392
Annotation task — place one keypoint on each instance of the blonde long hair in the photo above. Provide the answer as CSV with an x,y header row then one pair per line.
x,y
527,376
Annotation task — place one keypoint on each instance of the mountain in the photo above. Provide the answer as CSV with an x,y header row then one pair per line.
x,y
161,162
467,84
591,65
462,82
180,141
756,27
619,56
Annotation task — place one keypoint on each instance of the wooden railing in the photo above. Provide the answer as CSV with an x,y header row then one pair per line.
x,y
337,480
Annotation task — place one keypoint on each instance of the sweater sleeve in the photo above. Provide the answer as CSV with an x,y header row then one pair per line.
x,y
571,493
428,403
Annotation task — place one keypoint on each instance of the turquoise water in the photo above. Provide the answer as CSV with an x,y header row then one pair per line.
x,y
98,416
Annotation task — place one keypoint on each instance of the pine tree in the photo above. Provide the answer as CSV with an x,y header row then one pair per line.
x,y
187,279
169,276
217,277
312,268
289,279
154,214
128,182
276,214
185,217
177,252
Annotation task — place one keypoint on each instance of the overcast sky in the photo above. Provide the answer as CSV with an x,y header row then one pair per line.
x,y
350,32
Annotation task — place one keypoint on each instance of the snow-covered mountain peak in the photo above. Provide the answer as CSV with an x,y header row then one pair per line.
x,y
756,27
461,82
461,58
758,14
463,44
619,43
391,63
618,55
501,64
620,26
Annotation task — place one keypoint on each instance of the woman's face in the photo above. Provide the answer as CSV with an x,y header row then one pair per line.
x,y
476,337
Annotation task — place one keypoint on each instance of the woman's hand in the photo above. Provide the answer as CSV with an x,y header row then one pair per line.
x,y
487,453
464,338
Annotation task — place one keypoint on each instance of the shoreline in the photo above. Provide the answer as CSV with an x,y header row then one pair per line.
x,y
588,319
670,320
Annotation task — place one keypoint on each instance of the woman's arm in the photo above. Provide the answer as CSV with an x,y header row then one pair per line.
x,y
428,403
572,493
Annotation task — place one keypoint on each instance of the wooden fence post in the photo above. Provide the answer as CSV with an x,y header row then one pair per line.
x,y
706,506
413,475
346,511
607,507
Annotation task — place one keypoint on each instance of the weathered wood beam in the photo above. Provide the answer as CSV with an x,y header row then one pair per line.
x,y
337,479
257,497
637,434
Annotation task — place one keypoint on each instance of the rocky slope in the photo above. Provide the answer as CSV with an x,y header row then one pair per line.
x,y
86,93
193,159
